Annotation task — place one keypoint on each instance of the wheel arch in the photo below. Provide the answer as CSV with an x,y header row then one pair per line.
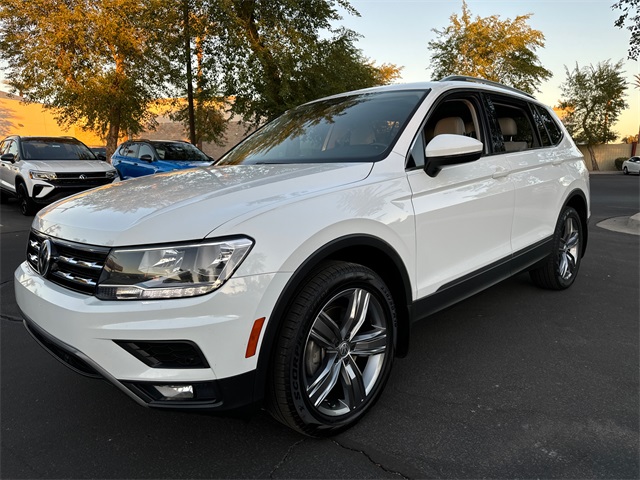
x,y
365,250
578,201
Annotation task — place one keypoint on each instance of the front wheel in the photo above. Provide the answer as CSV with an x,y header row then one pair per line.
x,y
27,205
561,268
625,170
335,350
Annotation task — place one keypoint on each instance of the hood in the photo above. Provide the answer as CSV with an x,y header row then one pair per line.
x,y
70,166
185,205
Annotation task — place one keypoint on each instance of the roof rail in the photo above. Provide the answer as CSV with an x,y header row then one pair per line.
x,y
465,78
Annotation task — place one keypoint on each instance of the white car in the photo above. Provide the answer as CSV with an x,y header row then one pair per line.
x,y
41,170
289,274
631,166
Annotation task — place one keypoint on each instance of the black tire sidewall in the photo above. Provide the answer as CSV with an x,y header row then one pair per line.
x,y
357,277
568,212
24,200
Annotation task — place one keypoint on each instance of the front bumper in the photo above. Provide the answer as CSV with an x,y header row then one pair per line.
x,y
87,335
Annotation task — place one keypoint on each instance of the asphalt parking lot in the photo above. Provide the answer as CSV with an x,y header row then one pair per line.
x,y
515,382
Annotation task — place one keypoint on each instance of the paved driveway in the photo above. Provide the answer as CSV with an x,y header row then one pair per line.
x,y
514,382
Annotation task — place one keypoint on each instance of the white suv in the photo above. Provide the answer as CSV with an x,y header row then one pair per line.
x,y
289,274
41,170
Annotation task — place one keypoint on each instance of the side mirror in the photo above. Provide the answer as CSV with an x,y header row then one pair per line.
x,y
146,158
102,157
448,149
8,157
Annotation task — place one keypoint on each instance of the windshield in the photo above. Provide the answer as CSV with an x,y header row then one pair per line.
x,y
55,149
179,151
356,128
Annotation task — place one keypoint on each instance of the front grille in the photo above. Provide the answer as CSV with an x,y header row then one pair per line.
x,y
88,180
72,265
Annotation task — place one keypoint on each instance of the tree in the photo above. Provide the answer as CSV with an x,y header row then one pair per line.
x,y
85,60
593,98
498,50
630,14
280,54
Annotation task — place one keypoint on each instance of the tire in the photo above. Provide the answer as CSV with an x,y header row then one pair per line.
x,y
625,170
329,367
561,268
27,206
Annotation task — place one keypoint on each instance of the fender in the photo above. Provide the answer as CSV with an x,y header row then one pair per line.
x,y
355,248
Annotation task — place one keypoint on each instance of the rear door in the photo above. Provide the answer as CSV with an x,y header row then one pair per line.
x,y
537,167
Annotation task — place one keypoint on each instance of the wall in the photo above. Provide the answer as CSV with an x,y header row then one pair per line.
x,y
606,154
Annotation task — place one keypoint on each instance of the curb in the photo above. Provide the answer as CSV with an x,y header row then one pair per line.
x,y
630,225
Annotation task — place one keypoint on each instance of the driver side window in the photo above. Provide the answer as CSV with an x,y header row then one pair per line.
x,y
146,150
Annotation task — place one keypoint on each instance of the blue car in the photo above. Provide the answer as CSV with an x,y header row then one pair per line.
x,y
136,158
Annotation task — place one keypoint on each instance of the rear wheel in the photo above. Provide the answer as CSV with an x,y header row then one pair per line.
x,y
27,206
335,350
561,268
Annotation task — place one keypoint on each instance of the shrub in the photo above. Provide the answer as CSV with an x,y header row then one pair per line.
x,y
618,161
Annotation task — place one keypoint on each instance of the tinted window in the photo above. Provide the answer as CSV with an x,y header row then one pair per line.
x,y
515,124
553,130
12,147
178,151
360,127
129,150
55,149
145,150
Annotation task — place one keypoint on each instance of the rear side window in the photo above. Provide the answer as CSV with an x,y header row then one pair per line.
x,y
515,125
550,132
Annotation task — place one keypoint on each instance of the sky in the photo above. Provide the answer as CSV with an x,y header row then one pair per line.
x,y
582,31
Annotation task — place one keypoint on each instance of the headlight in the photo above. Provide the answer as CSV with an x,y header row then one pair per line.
x,y
38,175
111,174
173,271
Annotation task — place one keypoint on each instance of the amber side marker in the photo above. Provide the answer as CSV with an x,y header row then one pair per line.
x,y
254,337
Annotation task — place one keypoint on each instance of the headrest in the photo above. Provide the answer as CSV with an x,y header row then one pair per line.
x,y
452,125
508,126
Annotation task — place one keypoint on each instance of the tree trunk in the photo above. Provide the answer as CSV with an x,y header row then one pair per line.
x,y
187,59
113,134
594,162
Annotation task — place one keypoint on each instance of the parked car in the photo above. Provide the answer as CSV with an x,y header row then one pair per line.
x,y
631,166
145,157
289,273
99,152
41,170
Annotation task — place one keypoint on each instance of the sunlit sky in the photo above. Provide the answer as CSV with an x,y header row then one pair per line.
x,y
397,32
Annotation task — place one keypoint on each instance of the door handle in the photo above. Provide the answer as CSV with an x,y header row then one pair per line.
x,y
500,172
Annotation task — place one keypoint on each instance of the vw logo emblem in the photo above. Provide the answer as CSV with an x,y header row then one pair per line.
x,y
83,177
44,257
344,349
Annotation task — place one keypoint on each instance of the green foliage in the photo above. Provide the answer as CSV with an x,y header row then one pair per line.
x,y
593,98
100,63
280,54
630,17
618,163
498,50
85,60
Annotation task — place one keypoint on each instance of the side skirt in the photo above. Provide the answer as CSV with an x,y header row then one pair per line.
x,y
472,283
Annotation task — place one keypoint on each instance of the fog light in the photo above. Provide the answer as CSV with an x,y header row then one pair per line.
x,y
175,392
